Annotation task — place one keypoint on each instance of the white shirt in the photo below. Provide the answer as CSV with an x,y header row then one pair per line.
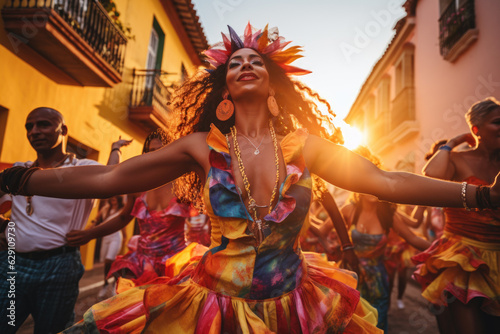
x,y
52,218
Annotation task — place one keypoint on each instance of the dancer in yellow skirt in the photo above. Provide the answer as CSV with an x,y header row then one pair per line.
x,y
460,271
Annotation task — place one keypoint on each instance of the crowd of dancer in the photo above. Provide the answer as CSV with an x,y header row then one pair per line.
x,y
251,150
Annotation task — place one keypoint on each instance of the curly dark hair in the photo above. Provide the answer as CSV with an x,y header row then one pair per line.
x,y
195,103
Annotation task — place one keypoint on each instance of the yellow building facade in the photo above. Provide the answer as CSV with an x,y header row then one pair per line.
x,y
106,81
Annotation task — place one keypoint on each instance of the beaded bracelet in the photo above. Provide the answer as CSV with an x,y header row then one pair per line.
x,y
116,149
463,194
13,180
483,198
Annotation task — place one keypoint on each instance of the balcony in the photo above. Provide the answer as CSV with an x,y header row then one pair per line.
x,y
76,36
149,100
457,30
403,107
402,123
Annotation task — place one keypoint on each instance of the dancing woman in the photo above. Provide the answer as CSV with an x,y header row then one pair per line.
x,y
253,169
460,272
370,222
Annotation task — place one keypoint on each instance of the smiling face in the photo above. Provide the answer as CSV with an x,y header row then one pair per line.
x,y
247,75
45,129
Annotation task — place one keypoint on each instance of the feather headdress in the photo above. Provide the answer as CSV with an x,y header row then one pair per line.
x,y
267,42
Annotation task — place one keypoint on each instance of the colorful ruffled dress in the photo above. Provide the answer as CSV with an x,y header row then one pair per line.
x,y
161,236
239,286
374,280
465,261
398,252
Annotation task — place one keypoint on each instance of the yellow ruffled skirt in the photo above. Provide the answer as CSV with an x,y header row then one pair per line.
x,y
325,302
464,267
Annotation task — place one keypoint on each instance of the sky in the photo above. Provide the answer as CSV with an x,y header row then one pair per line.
x,y
342,39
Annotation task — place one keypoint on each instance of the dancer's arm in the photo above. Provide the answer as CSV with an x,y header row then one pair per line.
x,y
348,255
113,223
345,169
134,175
411,221
115,154
404,232
422,215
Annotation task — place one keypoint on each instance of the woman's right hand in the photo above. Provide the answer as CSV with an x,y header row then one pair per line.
x,y
120,143
463,138
78,237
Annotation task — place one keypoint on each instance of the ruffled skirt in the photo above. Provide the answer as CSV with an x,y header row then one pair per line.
x,y
325,302
463,267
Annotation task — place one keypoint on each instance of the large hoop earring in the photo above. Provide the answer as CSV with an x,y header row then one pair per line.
x,y
225,109
271,103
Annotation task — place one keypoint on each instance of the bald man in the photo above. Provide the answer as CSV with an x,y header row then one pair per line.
x,y
41,277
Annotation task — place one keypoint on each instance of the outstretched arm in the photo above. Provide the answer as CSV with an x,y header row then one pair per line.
x,y
112,224
404,232
411,221
343,168
137,174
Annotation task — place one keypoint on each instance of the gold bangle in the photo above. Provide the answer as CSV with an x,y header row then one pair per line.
x,y
464,196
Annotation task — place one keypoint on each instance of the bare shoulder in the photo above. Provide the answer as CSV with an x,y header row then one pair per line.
x,y
318,150
317,144
313,145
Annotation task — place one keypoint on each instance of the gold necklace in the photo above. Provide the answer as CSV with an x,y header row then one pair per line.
x,y
252,205
29,205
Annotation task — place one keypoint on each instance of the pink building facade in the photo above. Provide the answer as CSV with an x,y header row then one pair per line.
x,y
443,58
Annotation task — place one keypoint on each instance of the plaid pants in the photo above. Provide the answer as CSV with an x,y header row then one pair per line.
x,y
47,289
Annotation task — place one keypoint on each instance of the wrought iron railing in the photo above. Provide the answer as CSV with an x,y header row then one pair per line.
x,y
403,107
454,23
148,90
90,20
